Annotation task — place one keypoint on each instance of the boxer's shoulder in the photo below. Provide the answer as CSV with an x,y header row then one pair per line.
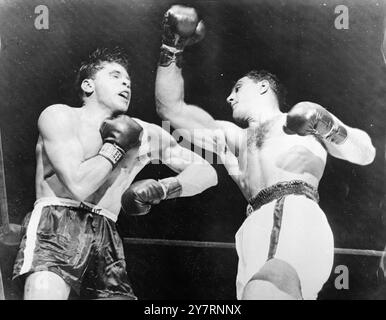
x,y
155,137
142,123
235,135
152,130
57,116
229,127
56,111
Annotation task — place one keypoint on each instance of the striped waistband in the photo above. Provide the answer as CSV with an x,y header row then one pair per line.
x,y
81,205
279,190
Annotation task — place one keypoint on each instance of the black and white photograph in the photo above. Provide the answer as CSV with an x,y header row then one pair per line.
x,y
203,150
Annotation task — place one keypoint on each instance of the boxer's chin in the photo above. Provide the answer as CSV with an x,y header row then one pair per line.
x,y
241,120
121,107
238,116
125,108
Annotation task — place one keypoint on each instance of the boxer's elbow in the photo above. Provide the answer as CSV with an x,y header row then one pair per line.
x,y
358,148
214,176
210,174
368,155
362,156
368,151
200,178
168,110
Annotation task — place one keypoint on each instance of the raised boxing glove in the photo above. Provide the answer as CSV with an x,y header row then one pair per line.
x,y
181,28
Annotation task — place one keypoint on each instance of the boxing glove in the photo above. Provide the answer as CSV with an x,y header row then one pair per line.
x,y
119,134
307,118
141,195
181,28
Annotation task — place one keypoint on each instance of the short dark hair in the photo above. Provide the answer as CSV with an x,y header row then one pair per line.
x,y
277,87
95,61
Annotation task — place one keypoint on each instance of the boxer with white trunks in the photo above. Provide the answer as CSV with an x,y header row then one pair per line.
x,y
285,246
87,159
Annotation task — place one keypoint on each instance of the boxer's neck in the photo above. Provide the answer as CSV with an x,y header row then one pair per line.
x,y
94,112
263,113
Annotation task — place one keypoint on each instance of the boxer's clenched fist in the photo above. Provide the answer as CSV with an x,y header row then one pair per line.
x,y
122,131
141,195
182,27
119,134
310,118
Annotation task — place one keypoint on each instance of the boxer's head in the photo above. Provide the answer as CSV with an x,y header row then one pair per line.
x,y
105,80
255,92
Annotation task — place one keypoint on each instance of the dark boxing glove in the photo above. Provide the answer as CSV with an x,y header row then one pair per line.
x,y
119,134
141,195
307,118
181,28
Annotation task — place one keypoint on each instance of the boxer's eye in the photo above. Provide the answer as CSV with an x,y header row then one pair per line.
x,y
115,75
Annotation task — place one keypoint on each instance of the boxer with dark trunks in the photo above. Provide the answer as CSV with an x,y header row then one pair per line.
x,y
87,159
285,245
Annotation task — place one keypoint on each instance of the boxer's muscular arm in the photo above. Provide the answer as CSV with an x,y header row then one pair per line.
x,y
357,148
170,103
194,123
182,27
194,173
64,151
341,141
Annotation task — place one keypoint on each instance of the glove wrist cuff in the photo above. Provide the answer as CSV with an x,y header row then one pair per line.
x,y
171,49
169,55
337,134
172,188
111,152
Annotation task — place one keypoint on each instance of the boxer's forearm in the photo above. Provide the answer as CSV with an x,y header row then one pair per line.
x,y
181,28
357,147
88,177
196,178
342,141
169,91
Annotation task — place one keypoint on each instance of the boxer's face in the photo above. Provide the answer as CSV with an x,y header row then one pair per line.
x,y
245,96
113,87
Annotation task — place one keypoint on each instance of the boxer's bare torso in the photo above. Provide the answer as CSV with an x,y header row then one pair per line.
x,y
109,193
267,155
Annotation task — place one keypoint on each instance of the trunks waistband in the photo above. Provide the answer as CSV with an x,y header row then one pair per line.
x,y
279,190
82,205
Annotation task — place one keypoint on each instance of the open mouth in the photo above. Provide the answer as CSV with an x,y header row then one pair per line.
x,y
124,94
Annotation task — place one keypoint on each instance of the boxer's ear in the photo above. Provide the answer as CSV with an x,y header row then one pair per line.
x,y
263,86
88,86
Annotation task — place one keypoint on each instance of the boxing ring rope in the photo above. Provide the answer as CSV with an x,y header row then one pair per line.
x,y
230,245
